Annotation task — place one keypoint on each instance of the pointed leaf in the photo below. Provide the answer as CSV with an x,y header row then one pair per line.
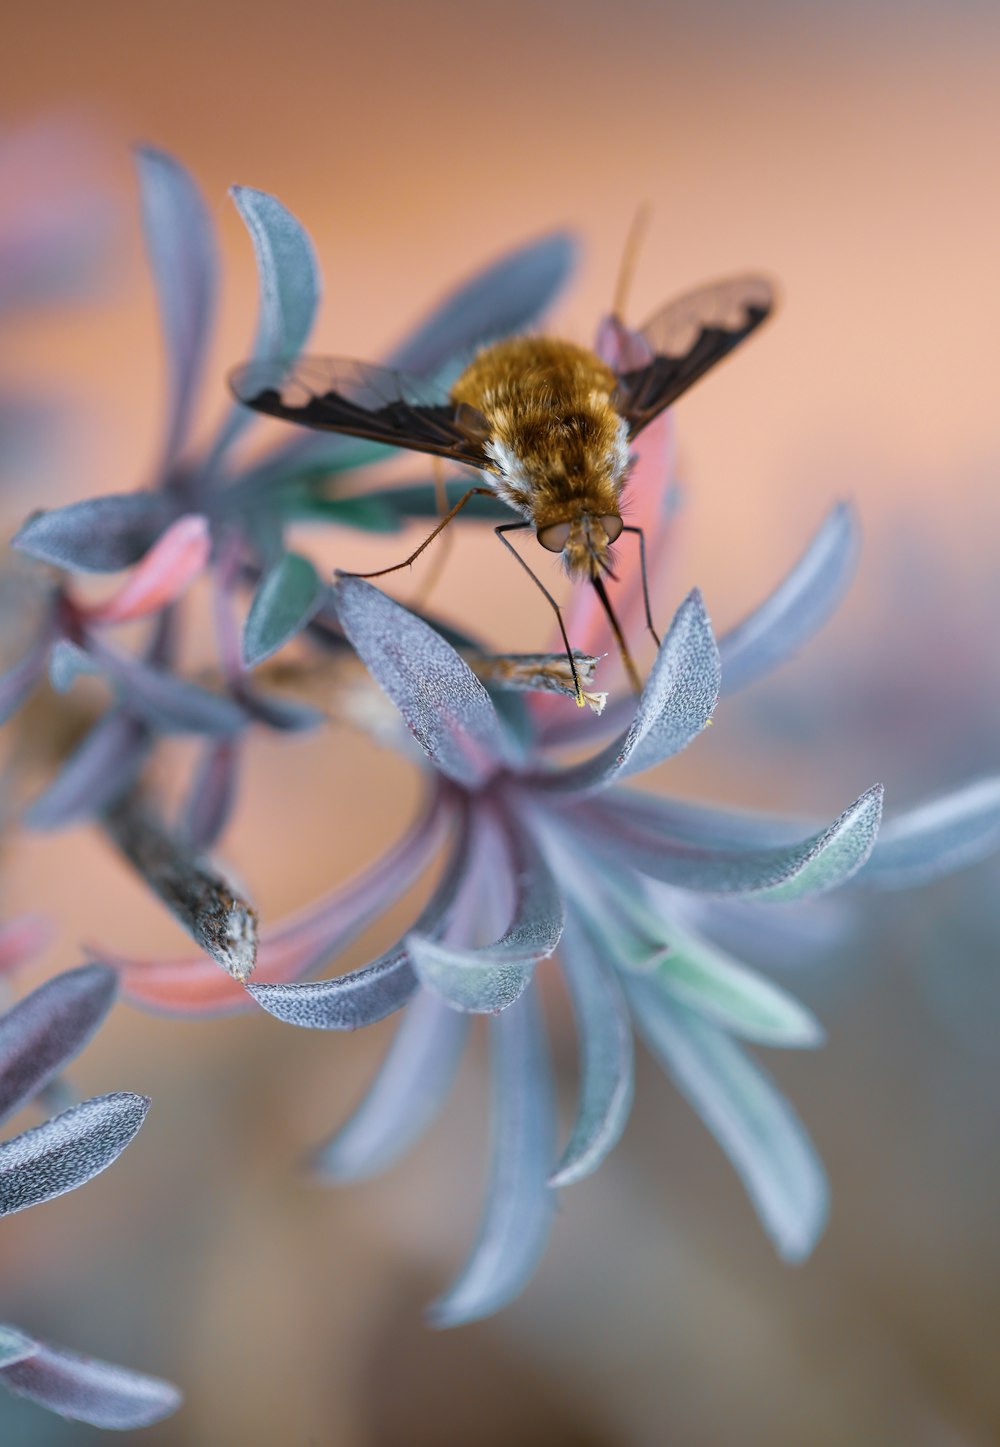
x,y
441,700
706,979
288,282
98,535
181,246
287,273
502,299
752,1122
87,1390
797,608
101,768
363,996
44,1031
177,557
519,1203
301,945
936,838
606,1058
68,1150
420,500
820,862
491,978
405,1097
675,706
289,594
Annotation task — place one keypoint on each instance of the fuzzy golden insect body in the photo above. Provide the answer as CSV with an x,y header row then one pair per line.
x,y
548,423
556,449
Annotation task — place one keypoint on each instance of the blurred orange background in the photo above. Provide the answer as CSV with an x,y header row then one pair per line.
x,y
850,153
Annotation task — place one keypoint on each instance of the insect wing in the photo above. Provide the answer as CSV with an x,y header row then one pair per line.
x,y
336,394
688,337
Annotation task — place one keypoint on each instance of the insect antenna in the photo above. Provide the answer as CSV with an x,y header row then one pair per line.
x,y
630,668
630,253
516,528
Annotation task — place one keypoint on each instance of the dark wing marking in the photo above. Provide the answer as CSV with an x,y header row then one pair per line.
x,y
688,337
335,394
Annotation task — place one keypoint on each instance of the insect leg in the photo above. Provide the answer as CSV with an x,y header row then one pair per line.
x,y
515,528
645,580
630,668
436,568
448,517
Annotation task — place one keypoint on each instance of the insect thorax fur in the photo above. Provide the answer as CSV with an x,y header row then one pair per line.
x,y
558,450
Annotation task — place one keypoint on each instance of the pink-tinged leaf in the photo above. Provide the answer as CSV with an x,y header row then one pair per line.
x,y
300,946
83,1388
163,575
44,1031
68,1150
23,938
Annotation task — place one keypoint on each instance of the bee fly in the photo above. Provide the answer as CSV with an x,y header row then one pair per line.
x,y
548,423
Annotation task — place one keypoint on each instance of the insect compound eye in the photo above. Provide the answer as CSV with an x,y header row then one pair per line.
x,y
555,537
612,525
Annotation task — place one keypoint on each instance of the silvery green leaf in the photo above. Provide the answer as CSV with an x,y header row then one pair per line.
x,y
68,1150
606,1057
101,768
706,979
817,863
84,1389
503,298
98,535
752,1122
67,662
519,1203
44,1031
288,595
404,1098
943,835
797,608
441,700
676,704
289,285
491,978
181,246
19,683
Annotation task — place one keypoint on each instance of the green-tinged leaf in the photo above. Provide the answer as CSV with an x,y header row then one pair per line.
x,y
288,595
751,1120
726,992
